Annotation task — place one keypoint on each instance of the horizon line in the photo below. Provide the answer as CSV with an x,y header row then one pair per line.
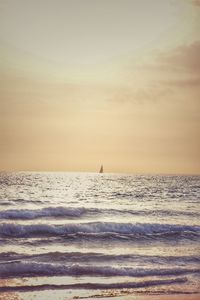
x,y
96,172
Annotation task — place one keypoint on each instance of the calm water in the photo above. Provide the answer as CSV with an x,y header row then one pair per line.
x,y
83,234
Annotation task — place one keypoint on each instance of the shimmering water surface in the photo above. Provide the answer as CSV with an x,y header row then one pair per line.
x,y
78,233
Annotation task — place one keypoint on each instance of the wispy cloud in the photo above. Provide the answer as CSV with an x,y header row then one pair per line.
x,y
164,76
196,2
183,58
180,67
190,82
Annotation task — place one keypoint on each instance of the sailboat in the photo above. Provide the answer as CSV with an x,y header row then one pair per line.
x,y
101,169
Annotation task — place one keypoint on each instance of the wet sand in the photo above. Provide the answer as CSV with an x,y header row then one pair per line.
x,y
29,289
110,295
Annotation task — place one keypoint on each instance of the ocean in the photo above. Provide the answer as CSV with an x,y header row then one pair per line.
x,y
87,235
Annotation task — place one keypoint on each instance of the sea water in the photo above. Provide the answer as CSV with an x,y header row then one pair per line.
x,y
70,235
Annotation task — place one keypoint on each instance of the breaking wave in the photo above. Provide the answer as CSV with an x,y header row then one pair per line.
x,y
29,214
95,257
77,212
30,269
100,229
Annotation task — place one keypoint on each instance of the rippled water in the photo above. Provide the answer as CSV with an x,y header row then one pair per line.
x,y
84,231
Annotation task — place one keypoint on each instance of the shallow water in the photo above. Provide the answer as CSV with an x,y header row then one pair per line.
x,y
76,232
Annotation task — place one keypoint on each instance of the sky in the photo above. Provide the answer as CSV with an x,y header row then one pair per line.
x,y
91,82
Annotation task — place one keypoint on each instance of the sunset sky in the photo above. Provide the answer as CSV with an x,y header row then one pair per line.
x,y
86,82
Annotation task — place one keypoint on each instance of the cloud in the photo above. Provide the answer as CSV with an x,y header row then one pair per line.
x,y
183,58
196,2
190,82
167,76
180,68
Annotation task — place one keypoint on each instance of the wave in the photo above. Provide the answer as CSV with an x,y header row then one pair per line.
x,y
89,286
95,257
29,214
76,212
6,203
30,269
101,230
